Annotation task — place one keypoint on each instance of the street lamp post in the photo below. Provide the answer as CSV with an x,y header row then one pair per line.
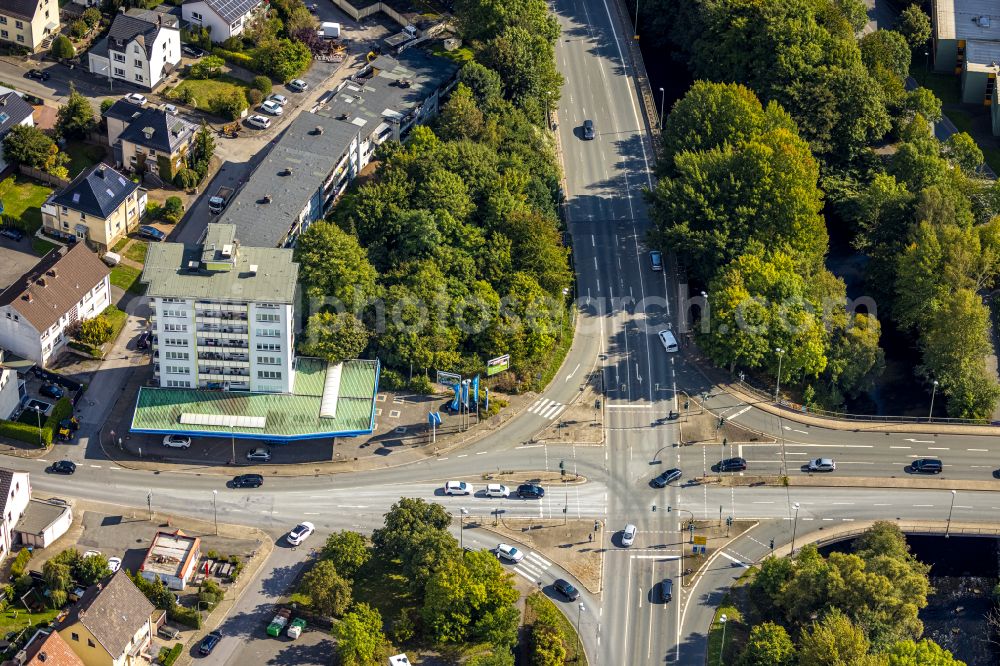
x,y
215,510
635,24
663,95
722,646
795,525
579,612
461,529
930,415
777,383
947,529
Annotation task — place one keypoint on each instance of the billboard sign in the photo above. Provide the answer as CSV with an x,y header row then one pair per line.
x,y
448,378
497,365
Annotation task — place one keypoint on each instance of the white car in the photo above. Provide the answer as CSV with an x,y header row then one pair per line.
x,y
822,465
497,490
280,99
272,107
91,553
509,553
136,98
114,563
259,121
668,340
177,441
457,488
628,535
300,533
298,85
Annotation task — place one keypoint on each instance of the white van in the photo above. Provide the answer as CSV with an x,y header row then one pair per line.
x,y
668,340
111,258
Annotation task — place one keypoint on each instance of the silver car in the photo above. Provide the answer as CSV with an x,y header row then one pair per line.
x,y
628,535
822,465
260,454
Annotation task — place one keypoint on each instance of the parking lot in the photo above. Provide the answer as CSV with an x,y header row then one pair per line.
x,y
16,258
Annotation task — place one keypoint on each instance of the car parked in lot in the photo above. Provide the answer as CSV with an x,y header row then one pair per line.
x,y
192,51
510,553
114,564
732,465
259,121
565,588
209,642
927,466
669,475
497,490
822,465
177,441
248,481
37,74
278,98
628,535
457,488
300,533
53,391
530,491
272,107
298,85
152,233
12,233
259,454
62,467
136,98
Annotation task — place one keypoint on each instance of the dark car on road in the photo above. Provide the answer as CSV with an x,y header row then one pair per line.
x,y
670,475
530,491
62,467
12,233
927,466
248,481
38,74
565,588
209,642
732,465
52,391
588,130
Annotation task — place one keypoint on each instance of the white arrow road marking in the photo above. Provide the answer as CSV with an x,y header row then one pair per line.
x,y
794,430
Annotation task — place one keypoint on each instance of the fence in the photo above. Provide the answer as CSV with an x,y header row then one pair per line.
x,y
38,174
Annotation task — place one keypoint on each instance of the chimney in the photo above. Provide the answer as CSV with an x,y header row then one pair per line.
x,y
253,270
159,19
318,129
100,171
41,282
52,272
42,656
148,132
27,296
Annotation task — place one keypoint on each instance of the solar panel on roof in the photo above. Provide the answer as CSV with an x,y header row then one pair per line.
x,y
122,181
233,9
110,193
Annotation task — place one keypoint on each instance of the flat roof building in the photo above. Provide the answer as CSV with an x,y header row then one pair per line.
x,y
966,42
173,557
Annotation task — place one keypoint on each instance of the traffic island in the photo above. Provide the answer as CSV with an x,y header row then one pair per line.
x,y
582,422
572,544
702,544
511,479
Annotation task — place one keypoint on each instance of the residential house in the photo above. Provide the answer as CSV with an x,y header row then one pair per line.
x,y
10,389
15,493
47,649
223,18
321,152
223,313
173,558
157,142
99,207
141,47
43,522
67,285
111,624
14,110
29,23
120,115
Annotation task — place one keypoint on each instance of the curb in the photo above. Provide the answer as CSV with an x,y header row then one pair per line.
x,y
903,483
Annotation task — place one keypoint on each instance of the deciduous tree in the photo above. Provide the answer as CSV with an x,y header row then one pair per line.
x,y
328,592
915,26
334,337
332,265
347,550
768,645
360,641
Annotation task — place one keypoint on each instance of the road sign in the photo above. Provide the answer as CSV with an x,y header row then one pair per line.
x,y
700,540
497,365
448,378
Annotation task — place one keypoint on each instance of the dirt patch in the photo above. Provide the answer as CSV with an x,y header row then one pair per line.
x,y
511,478
582,422
567,544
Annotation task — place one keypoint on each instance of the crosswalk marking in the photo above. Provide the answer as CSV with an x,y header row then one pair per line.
x,y
547,409
532,566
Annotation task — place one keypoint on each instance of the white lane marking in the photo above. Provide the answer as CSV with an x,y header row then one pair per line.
x,y
979,450
938,448
482,453
794,430
842,503
919,441
733,559
763,502
445,458
96,466
847,520
464,455
526,446
655,557
900,447
881,505
923,506
117,468
352,506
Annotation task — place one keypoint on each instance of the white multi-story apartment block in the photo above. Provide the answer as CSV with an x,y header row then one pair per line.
x,y
142,47
224,315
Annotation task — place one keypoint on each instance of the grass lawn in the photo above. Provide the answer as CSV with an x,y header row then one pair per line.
x,y
947,87
205,90
16,619
41,247
126,277
120,245
736,633
81,156
137,251
538,604
117,319
23,198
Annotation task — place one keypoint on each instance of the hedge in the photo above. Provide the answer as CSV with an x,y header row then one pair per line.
x,y
20,563
186,616
24,432
240,59
168,657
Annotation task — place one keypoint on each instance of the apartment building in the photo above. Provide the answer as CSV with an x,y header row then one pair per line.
x,y
322,151
223,313
142,47
98,207
29,23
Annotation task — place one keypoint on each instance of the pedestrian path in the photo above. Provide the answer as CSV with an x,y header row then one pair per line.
x,y
547,409
533,566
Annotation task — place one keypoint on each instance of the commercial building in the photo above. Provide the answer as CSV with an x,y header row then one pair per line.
x,y
29,23
322,151
223,313
966,42
142,47
99,207
173,558
66,286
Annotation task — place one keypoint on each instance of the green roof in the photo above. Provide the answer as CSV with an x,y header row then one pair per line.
x,y
286,416
205,272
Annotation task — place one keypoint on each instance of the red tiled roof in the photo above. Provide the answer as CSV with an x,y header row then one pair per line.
x,y
50,650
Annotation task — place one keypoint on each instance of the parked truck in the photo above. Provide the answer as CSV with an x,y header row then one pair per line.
x,y
218,203
279,622
329,30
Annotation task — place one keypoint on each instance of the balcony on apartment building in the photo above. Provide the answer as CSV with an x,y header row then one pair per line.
x,y
224,344
222,331
230,360
220,317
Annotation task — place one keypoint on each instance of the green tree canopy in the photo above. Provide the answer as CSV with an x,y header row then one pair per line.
x,y
915,26
28,145
328,592
347,550
360,641
332,265
75,118
923,653
334,337
62,48
834,641
768,645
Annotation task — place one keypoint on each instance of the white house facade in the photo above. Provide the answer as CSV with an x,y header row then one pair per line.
x,y
223,18
141,47
15,490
